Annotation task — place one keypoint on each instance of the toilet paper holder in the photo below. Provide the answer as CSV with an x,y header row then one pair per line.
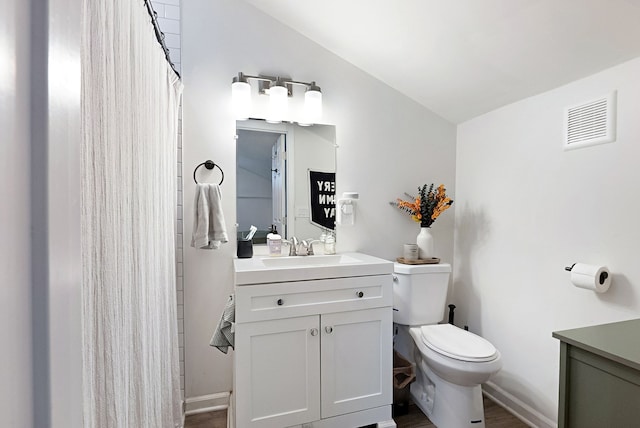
x,y
603,276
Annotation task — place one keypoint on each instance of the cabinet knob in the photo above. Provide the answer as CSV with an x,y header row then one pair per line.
x,y
328,329
314,332
360,294
280,302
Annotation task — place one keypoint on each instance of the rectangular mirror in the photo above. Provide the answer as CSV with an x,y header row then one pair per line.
x,y
285,179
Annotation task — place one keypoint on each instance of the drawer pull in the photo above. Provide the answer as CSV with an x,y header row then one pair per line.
x,y
360,294
280,302
328,329
314,332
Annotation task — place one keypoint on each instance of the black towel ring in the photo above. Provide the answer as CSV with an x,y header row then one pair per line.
x,y
209,165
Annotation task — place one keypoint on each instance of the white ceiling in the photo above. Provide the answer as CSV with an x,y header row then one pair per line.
x,y
462,58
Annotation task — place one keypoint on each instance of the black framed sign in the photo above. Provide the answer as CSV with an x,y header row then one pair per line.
x,y
322,198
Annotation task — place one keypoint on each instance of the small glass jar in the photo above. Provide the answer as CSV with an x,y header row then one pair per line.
x,y
330,244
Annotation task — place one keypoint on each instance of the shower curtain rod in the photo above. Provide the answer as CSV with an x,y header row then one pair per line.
x,y
160,35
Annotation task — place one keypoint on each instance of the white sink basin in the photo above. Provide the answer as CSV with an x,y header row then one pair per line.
x,y
259,270
326,260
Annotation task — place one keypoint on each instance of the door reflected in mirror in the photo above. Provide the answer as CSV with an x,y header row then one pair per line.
x,y
285,179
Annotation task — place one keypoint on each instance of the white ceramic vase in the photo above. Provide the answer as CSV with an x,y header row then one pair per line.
x,y
425,243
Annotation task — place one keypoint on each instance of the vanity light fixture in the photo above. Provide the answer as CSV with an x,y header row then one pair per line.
x,y
278,89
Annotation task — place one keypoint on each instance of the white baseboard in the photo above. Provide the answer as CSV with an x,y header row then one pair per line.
x,y
207,403
524,412
231,414
520,410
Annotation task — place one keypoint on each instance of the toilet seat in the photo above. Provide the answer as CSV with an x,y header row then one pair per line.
x,y
456,343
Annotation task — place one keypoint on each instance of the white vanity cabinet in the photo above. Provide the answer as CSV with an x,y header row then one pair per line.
x,y
314,354
355,361
277,376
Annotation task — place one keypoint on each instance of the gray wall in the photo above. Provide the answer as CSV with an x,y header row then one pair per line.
x,y
388,145
39,222
527,209
15,305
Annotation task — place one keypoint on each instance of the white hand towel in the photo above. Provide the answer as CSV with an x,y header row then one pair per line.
x,y
224,335
209,230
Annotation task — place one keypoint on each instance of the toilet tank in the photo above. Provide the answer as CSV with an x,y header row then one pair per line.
x,y
420,293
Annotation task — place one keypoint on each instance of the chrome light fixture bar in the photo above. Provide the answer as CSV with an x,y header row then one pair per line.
x,y
278,89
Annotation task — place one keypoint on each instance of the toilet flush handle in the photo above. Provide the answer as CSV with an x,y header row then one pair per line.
x,y
451,309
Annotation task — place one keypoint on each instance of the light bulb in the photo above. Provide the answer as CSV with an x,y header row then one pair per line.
x,y
241,97
278,102
313,104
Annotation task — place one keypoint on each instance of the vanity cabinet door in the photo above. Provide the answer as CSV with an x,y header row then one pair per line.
x,y
356,360
277,372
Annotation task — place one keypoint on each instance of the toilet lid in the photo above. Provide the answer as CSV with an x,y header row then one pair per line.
x,y
457,343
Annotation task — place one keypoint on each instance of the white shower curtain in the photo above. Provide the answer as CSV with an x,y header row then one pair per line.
x,y
130,99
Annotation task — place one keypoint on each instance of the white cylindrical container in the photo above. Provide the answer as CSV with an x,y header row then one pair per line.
x,y
410,252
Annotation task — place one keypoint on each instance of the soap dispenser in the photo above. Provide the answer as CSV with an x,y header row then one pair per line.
x,y
345,209
274,242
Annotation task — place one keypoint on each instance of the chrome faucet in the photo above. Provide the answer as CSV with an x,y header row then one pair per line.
x,y
308,245
293,246
300,248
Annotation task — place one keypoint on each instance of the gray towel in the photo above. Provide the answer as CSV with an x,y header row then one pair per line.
x,y
209,230
223,337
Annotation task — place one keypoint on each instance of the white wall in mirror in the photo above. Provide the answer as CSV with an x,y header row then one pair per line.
x,y
255,176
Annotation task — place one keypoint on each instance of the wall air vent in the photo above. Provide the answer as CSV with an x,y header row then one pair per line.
x,y
591,123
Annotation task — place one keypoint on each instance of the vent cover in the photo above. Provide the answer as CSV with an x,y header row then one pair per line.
x,y
591,123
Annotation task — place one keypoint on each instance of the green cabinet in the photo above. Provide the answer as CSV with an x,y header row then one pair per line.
x,y
600,376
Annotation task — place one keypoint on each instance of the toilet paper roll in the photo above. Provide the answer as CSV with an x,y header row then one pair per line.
x,y
590,277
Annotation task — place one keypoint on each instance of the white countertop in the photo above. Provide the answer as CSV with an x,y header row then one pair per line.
x,y
266,269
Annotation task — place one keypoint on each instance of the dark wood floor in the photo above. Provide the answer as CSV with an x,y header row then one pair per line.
x,y
495,417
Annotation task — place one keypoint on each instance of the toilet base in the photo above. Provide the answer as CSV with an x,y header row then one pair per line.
x,y
447,405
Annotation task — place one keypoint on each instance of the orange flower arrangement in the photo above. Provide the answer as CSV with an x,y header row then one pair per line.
x,y
427,206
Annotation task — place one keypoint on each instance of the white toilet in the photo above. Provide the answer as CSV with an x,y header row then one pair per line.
x,y
451,363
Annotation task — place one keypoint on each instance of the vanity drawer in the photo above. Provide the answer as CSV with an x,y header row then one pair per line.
x,y
293,299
